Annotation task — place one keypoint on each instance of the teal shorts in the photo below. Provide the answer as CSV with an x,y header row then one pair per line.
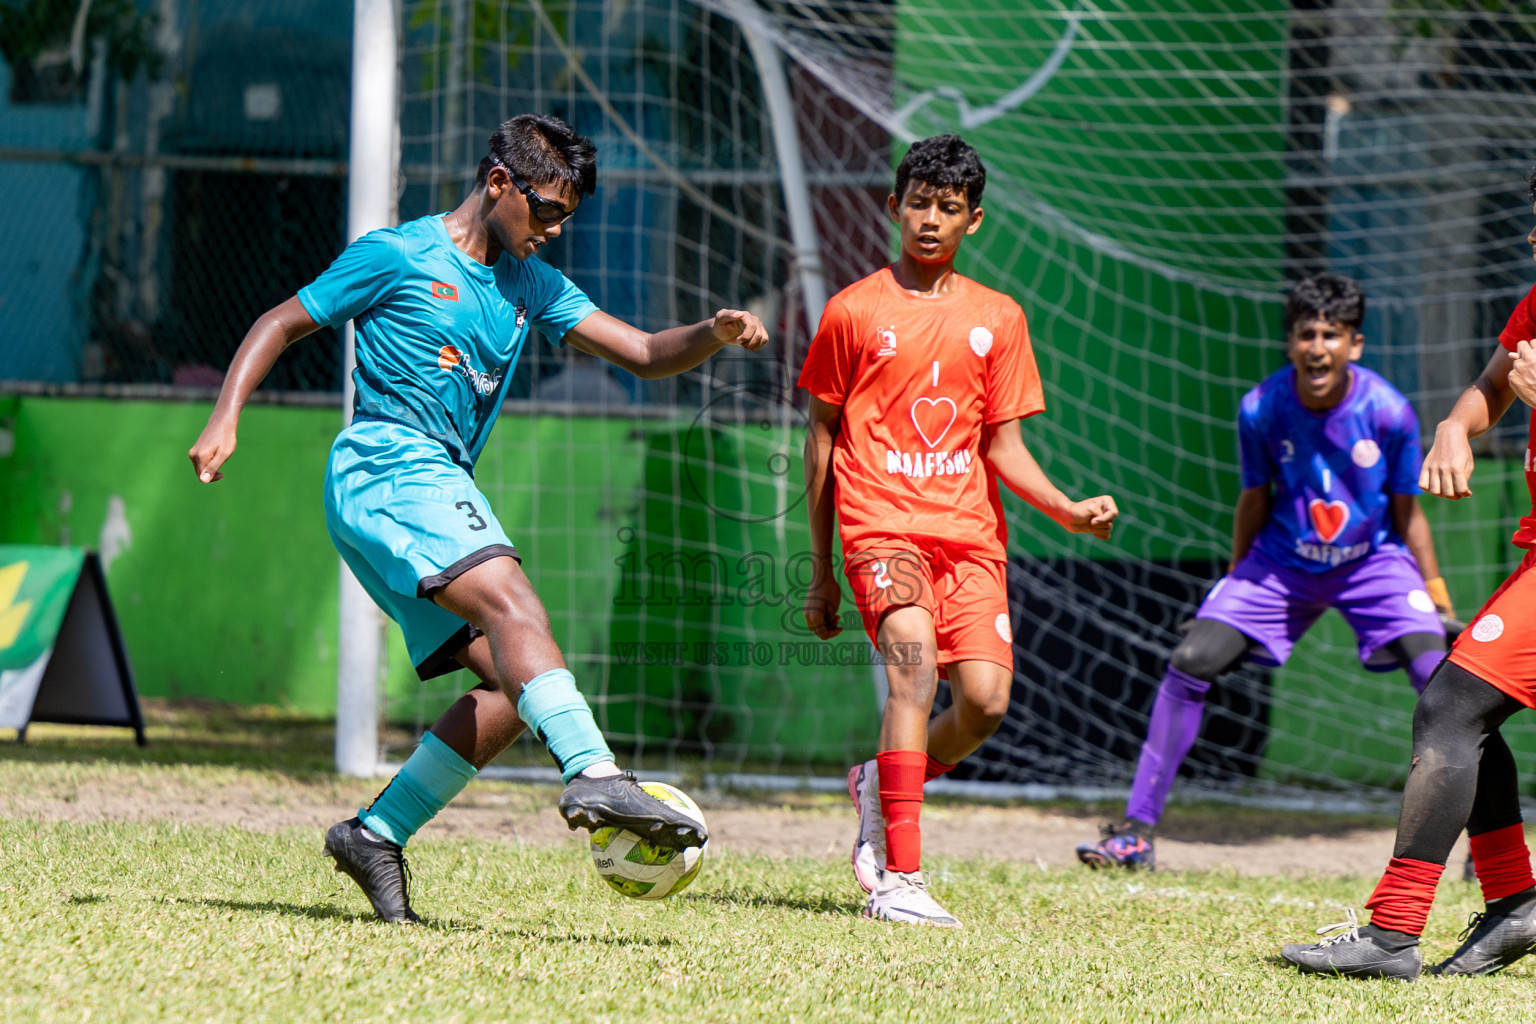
x,y
409,520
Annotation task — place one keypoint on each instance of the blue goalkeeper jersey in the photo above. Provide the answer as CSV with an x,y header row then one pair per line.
x,y
438,332
1334,472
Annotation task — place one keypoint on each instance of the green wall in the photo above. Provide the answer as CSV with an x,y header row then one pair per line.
x,y
225,592
722,559
228,591
1133,211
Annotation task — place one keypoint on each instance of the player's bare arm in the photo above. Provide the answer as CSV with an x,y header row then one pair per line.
x,y
667,352
825,595
1447,471
1412,525
1011,460
273,332
1249,518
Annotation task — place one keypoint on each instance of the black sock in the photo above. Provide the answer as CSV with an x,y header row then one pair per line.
x,y
1513,904
1387,939
1139,829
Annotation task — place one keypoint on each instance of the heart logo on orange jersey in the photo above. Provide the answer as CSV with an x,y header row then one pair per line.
x,y
931,419
1328,517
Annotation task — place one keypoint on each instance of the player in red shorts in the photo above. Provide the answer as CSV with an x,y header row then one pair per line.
x,y
918,378
1462,771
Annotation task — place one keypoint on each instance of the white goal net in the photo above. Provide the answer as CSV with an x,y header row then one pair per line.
x,y
1157,172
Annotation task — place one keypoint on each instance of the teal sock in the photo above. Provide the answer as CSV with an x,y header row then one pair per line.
x,y
558,714
430,777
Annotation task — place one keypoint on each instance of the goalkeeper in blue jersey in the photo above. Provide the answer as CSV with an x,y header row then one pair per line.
x,y
1328,518
443,306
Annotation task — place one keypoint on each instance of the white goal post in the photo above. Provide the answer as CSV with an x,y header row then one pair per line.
x,y
373,161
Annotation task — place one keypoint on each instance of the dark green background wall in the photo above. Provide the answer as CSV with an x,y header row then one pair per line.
x,y
1134,212
228,592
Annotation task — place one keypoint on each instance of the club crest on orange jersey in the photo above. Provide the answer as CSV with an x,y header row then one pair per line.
x,y
887,339
444,291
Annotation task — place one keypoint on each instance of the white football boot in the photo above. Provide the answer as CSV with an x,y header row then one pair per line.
x,y
869,846
904,897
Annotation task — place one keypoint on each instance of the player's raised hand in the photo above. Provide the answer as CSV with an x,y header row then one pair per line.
x,y
1092,515
1447,471
739,327
213,448
821,603
1522,372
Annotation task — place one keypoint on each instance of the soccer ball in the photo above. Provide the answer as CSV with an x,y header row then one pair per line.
x,y
641,869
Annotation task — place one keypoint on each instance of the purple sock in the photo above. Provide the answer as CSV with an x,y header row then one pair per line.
x,y
1172,731
1422,667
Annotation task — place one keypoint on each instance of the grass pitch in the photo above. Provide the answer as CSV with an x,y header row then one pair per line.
x,y
153,921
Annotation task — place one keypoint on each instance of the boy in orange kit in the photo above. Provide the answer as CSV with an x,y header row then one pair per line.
x,y
918,378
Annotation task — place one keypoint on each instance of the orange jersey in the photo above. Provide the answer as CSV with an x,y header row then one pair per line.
x,y
917,379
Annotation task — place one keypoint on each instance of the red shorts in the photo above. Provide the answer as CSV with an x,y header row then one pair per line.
x,y
1499,644
967,599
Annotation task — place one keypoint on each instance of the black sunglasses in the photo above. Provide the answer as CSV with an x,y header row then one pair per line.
x,y
546,210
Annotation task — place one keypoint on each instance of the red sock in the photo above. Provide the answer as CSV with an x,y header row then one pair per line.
x,y
901,801
1503,863
934,769
1403,896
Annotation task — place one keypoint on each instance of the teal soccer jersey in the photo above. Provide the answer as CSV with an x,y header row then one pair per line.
x,y
437,332
437,335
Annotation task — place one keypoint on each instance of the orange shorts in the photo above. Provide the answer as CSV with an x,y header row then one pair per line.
x,y
967,599
1499,644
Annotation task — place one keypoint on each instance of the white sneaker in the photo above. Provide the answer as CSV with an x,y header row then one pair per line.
x,y
869,847
904,897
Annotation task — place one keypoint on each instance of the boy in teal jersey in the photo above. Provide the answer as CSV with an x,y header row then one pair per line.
x,y
443,306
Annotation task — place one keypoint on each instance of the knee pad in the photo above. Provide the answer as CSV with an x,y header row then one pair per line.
x,y
1198,662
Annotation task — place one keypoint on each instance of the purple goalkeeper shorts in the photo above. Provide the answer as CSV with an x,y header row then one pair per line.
x,y
1382,597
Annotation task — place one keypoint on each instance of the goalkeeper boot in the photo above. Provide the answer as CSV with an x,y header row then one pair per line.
x,y
617,801
869,846
1120,846
1492,939
1355,954
903,896
378,867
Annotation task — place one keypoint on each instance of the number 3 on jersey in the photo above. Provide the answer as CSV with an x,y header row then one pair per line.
x,y
475,520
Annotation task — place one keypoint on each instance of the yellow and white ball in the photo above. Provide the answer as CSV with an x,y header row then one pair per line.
x,y
641,869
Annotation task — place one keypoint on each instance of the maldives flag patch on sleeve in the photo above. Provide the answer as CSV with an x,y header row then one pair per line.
x,y
444,291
